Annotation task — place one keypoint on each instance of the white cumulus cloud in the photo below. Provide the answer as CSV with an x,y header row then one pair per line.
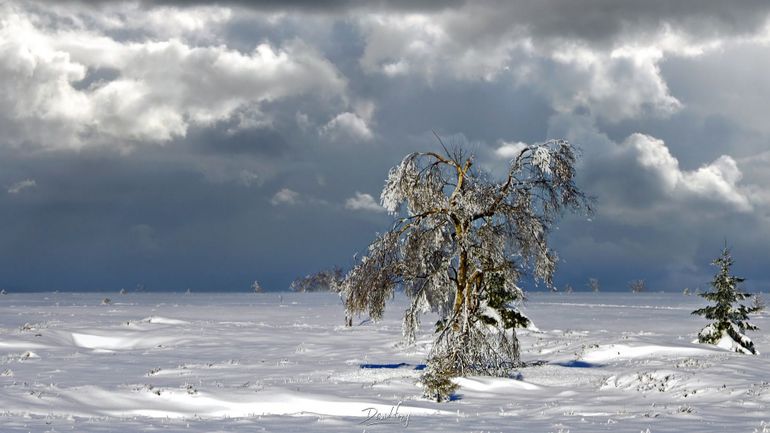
x,y
157,89
347,126
363,202
716,181
510,150
615,81
285,196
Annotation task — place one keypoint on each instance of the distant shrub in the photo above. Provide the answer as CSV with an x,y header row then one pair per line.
x,y
637,286
323,281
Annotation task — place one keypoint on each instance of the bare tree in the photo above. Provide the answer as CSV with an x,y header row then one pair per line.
x,y
593,284
256,287
637,286
459,249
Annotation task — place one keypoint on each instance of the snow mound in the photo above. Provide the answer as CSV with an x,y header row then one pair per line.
x,y
118,342
622,351
106,340
726,341
494,384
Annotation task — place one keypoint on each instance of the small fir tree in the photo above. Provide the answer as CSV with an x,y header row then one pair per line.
x,y
730,318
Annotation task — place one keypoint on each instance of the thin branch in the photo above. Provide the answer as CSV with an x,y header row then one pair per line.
x,y
441,142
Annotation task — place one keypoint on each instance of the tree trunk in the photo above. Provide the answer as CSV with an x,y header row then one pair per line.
x,y
462,276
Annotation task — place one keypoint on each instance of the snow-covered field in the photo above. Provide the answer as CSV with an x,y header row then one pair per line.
x,y
270,362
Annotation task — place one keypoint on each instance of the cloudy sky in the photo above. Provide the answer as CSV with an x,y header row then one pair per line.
x,y
182,145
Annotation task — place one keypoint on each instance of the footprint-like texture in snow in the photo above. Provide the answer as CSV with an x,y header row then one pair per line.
x,y
164,321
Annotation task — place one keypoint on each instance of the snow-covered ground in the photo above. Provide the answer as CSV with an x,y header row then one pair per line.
x,y
270,362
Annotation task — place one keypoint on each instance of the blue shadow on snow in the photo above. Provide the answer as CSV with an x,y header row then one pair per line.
x,y
577,364
418,367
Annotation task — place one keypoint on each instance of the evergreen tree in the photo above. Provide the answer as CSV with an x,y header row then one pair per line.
x,y
730,318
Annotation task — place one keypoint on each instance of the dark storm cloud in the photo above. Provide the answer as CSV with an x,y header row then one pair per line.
x,y
199,209
304,5
96,76
95,221
737,88
596,20
412,106
655,221
332,5
591,20
256,142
